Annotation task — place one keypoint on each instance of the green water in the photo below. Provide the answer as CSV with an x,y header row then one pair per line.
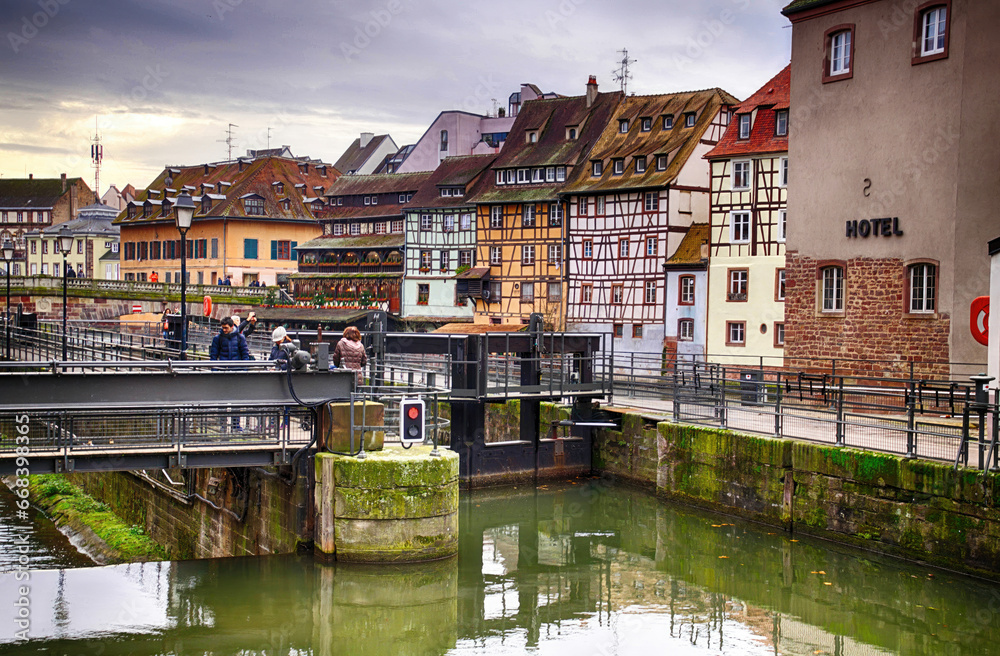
x,y
565,569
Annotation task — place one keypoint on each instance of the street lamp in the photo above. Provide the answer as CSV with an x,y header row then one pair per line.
x,y
66,240
8,258
183,214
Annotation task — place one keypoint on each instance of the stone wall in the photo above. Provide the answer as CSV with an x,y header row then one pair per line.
x,y
872,327
913,509
245,512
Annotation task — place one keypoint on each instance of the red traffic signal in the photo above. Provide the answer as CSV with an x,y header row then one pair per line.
x,y
411,421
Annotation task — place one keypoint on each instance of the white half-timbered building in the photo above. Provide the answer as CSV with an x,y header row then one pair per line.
x,y
748,215
629,207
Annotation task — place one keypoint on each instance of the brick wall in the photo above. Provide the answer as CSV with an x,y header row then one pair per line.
x,y
872,327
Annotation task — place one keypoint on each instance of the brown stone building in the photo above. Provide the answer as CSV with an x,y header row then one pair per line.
x,y
894,187
32,204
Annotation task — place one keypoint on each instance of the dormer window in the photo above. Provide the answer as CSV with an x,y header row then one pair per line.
x,y
623,125
446,191
689,119
537,175
340,201
646,124
374,199
640,164
131,211
402,198
279,188
661,162
206,204
668,122
254,206
596,168
322,171
304,167
147,209
165,208
522,176
368,200
744,126
618,166
286,204
781,123
531,136
571,132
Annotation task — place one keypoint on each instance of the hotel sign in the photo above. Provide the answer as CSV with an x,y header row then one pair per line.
x,y
887,227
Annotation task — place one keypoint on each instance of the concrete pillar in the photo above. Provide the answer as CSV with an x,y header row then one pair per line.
x,y
396,505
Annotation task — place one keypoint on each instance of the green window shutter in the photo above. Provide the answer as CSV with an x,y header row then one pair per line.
x,y
250,249
274,249
215,247
294,244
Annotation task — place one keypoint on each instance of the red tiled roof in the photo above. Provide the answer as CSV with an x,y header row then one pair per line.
x,y
767,100
466,171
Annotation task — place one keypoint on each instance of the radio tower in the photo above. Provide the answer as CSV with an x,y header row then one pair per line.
x,y
622,74
96,155
229,141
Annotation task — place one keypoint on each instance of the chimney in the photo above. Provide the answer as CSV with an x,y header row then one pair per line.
x,y
31,176
704,250
591,90
63,179
366,138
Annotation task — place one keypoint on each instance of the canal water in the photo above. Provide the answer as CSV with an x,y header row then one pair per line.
x,y
563,569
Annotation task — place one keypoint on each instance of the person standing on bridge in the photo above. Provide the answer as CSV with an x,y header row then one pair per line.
x,y
350,352
154,277
229,345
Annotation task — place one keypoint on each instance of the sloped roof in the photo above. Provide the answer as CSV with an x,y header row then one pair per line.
x,y
466,171
355,156
677,143
92,219
801,5
551,117
382,183
773,96
256,178
34,193
360,241
688,253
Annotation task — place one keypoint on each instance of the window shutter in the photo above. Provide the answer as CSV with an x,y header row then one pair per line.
x,y
250,249
274,249
293,255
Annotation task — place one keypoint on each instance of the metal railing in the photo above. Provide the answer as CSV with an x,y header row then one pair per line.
x,y
50,285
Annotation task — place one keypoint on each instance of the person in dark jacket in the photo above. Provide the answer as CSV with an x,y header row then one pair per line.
x,y
247,327
229,345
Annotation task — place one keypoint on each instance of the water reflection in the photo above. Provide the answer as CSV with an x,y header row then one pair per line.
x,y
565,570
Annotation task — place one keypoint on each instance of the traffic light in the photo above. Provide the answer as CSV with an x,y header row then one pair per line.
x,y
411,421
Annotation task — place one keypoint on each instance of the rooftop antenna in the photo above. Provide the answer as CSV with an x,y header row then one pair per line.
x,y
96,155
269,137
494,101
622,74
229,141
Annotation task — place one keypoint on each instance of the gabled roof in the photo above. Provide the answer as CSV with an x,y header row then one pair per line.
x,y
465,171
33,193
362,185
677,143
551,117
255,179
355,156
688,254
773,96
802,5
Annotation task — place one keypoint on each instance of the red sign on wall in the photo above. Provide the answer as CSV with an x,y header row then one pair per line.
x,y
136,309
979,320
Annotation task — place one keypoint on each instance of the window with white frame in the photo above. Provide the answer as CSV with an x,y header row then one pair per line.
x,y
840,53
832,289
640,164
368,200
338,229
496,216
495,289
782,225
426,222
661,162
555,214
741,174
652,201
623,125
779,285
374,200
527,292
560,174
652,246
583,206
528,255
744,126
781,123
650,292
528,215
689,119
588,249
523,176
380,228
623,248
550,174
449,223
402,198
685,330
586,293
668,122
355,229
537,175
444,259
618,166
779,333
933,30
465,223
396,226
686,296
736,333
617,294
783,172
555,254
465,257
923,280
600,206
646,124
596,168
496,257
739,280
739,227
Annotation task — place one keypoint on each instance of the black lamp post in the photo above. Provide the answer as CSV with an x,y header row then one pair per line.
x,y
183,214
66,240
8,258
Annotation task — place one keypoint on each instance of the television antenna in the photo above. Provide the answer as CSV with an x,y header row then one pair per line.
x,y
96,155
622,74
229,141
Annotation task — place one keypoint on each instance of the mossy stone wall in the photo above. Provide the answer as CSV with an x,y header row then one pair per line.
x,y
395,505
910,508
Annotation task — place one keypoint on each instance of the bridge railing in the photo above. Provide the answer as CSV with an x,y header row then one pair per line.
x,y
53,285
927,417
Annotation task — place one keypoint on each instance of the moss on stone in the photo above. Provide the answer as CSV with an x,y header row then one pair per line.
x,y
395,467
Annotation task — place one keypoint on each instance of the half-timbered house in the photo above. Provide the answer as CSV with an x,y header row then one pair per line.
x,y
358,262
521,231
630,205
746,293
441,242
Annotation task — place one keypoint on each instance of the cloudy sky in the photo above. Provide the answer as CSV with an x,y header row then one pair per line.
x,y
162,79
